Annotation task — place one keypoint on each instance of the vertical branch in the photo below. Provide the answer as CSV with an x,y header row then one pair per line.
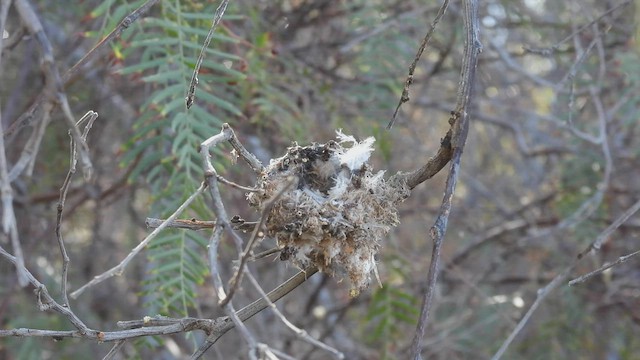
x,y
54,84
90,117
222,224
9,225
460,125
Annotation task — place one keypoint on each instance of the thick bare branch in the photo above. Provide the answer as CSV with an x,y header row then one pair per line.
x,y
460,125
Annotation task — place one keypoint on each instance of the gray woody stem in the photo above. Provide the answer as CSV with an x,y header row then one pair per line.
x,y
460,124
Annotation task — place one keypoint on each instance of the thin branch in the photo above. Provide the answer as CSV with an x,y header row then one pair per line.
x,y
604,236
602,269
489,235
237,186
54,85
265,253
9,222
541,296
90,117
412,68
302,334
126,22
46,302
545,291
27,159
191,94
218,207
248,157
275,354
257,306
118,269
192,224
460,125
222,224
548,51
28,117
391,21
513,65
115,349
244,256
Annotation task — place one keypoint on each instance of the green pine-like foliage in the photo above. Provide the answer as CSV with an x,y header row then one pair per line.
x,y
392,311
161,51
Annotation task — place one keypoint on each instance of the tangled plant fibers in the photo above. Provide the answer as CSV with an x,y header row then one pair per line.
x,y
338,211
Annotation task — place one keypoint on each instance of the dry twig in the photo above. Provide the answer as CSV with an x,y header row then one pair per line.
x,y
9,223
459,123
244,256
545,291
191,93
89,117
603,268
30,115
299,332
54,88
412,68
118,269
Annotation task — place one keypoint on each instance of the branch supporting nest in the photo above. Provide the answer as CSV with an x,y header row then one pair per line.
x,y
456,139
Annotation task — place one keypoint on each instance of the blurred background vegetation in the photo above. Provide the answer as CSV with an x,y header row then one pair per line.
x,y
553,158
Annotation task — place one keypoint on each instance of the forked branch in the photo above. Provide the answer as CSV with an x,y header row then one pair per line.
x,y
459,128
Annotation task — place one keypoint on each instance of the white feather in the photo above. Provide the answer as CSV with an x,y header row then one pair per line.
x,y
358,154
342,137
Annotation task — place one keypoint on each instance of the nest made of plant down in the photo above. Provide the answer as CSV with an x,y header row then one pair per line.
x,y
337,211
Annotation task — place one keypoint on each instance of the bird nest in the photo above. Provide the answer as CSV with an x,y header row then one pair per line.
x,y
336,210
